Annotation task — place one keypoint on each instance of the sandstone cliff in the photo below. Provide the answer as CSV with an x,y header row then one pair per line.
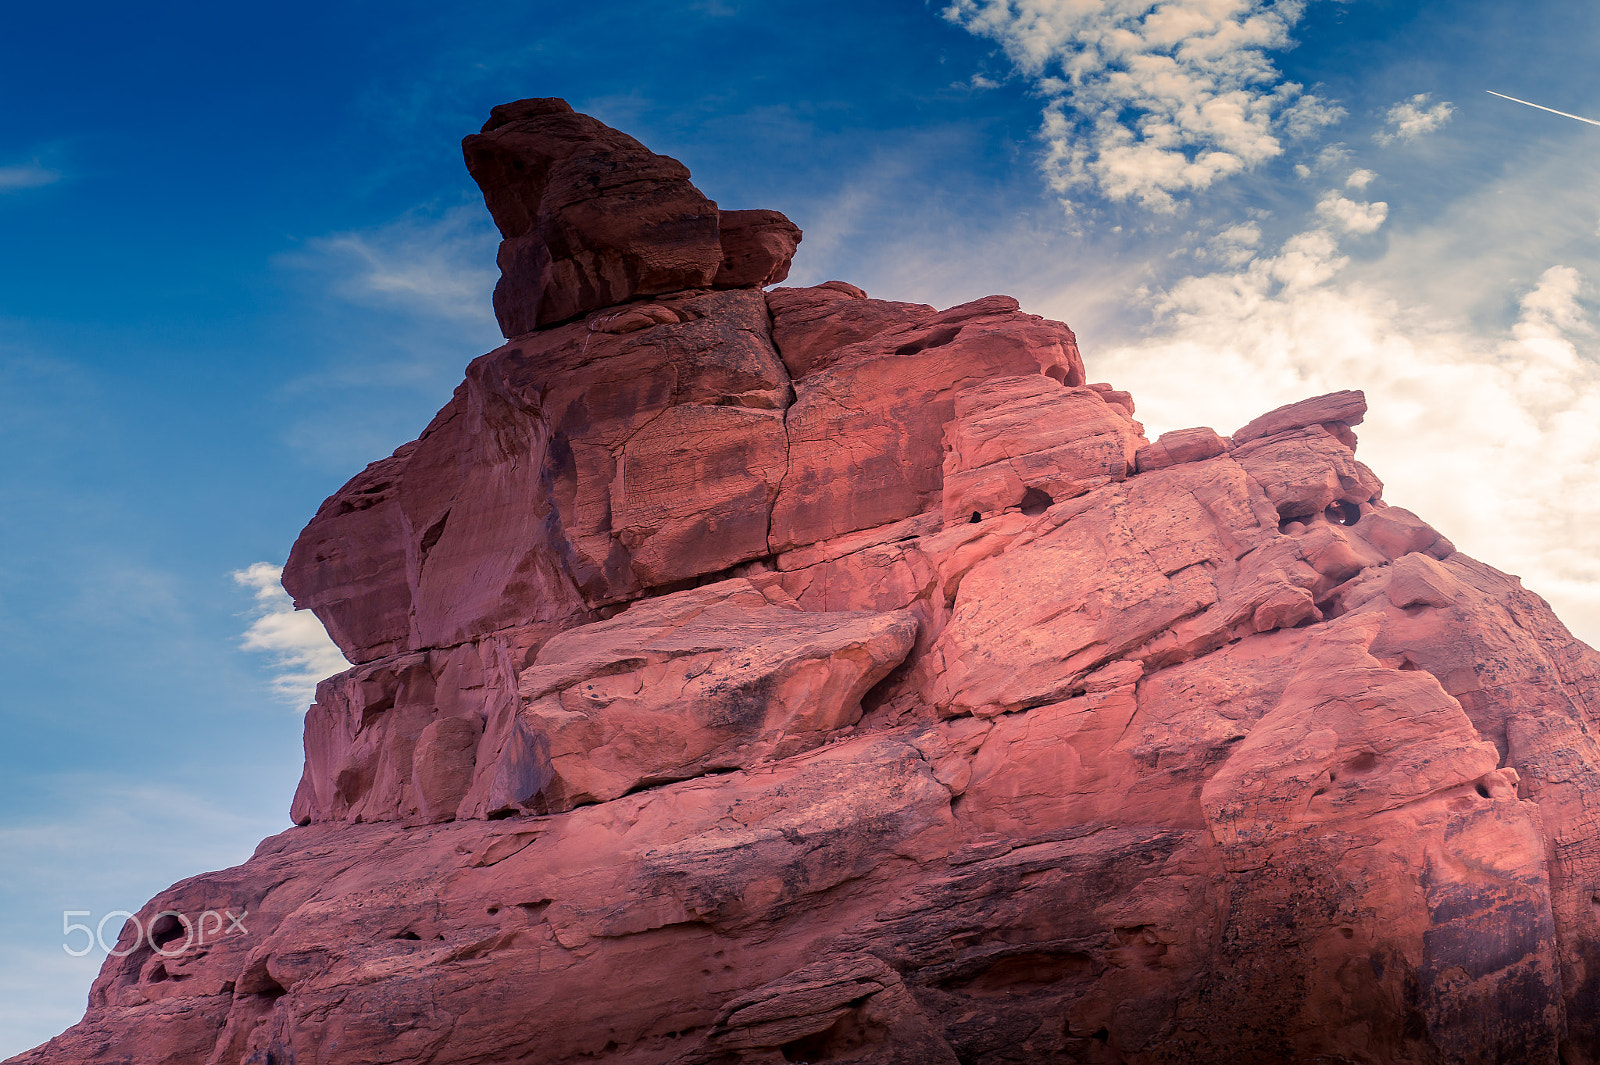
x,y
752,675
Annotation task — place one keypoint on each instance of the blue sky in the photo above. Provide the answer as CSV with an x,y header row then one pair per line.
x,y
240,258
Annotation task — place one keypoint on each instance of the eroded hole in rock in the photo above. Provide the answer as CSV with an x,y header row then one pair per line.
x,y
976,517
408,935
1365,762
1289,524
1482,789
158,974
1342,512
501,815
1036,501
165,929
1056,373
936,339
849,1033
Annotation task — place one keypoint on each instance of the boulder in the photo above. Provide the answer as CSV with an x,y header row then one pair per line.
x,y
590,218
721,677
1028,442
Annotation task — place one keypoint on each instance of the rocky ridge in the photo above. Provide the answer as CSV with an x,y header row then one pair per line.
x,y
750,675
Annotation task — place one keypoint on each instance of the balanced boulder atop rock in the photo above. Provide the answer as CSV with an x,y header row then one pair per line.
x,y
591,218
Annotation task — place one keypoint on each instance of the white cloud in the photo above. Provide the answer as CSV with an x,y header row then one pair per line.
x,y
1412,118
1494,440
440,267
26,176
1350,215
1235,245
303,654
1148,101
1359,179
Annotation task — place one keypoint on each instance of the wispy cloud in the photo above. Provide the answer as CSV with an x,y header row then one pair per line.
x,y
1412,118
26,176
407,304
1147,102
424,266
302,653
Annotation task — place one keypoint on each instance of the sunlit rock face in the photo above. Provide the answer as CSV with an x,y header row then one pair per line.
x,y
755,676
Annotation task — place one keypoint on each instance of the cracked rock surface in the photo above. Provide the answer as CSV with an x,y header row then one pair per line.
x,y
750,676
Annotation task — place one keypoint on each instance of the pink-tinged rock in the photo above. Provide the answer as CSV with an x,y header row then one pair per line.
x,y
1379,738
465,508
696,485
1115,398
1355,742
756,248
1396,531
1029,442
1055,766
1101,577
701,681
573,468
591,218
509,940
1178,446
824,1009
1344,408
810,324
1306,471
865,434
398,740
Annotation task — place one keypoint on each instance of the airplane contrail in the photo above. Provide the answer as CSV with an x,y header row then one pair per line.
x,y
1541,107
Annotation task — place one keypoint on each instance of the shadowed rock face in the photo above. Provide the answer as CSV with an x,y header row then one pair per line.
x,y
772,676
592,218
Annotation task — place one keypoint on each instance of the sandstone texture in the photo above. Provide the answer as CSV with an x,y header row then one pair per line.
x,y
592,218
746,676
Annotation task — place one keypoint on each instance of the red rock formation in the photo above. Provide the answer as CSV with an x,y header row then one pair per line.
x,y
792,676
591,218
